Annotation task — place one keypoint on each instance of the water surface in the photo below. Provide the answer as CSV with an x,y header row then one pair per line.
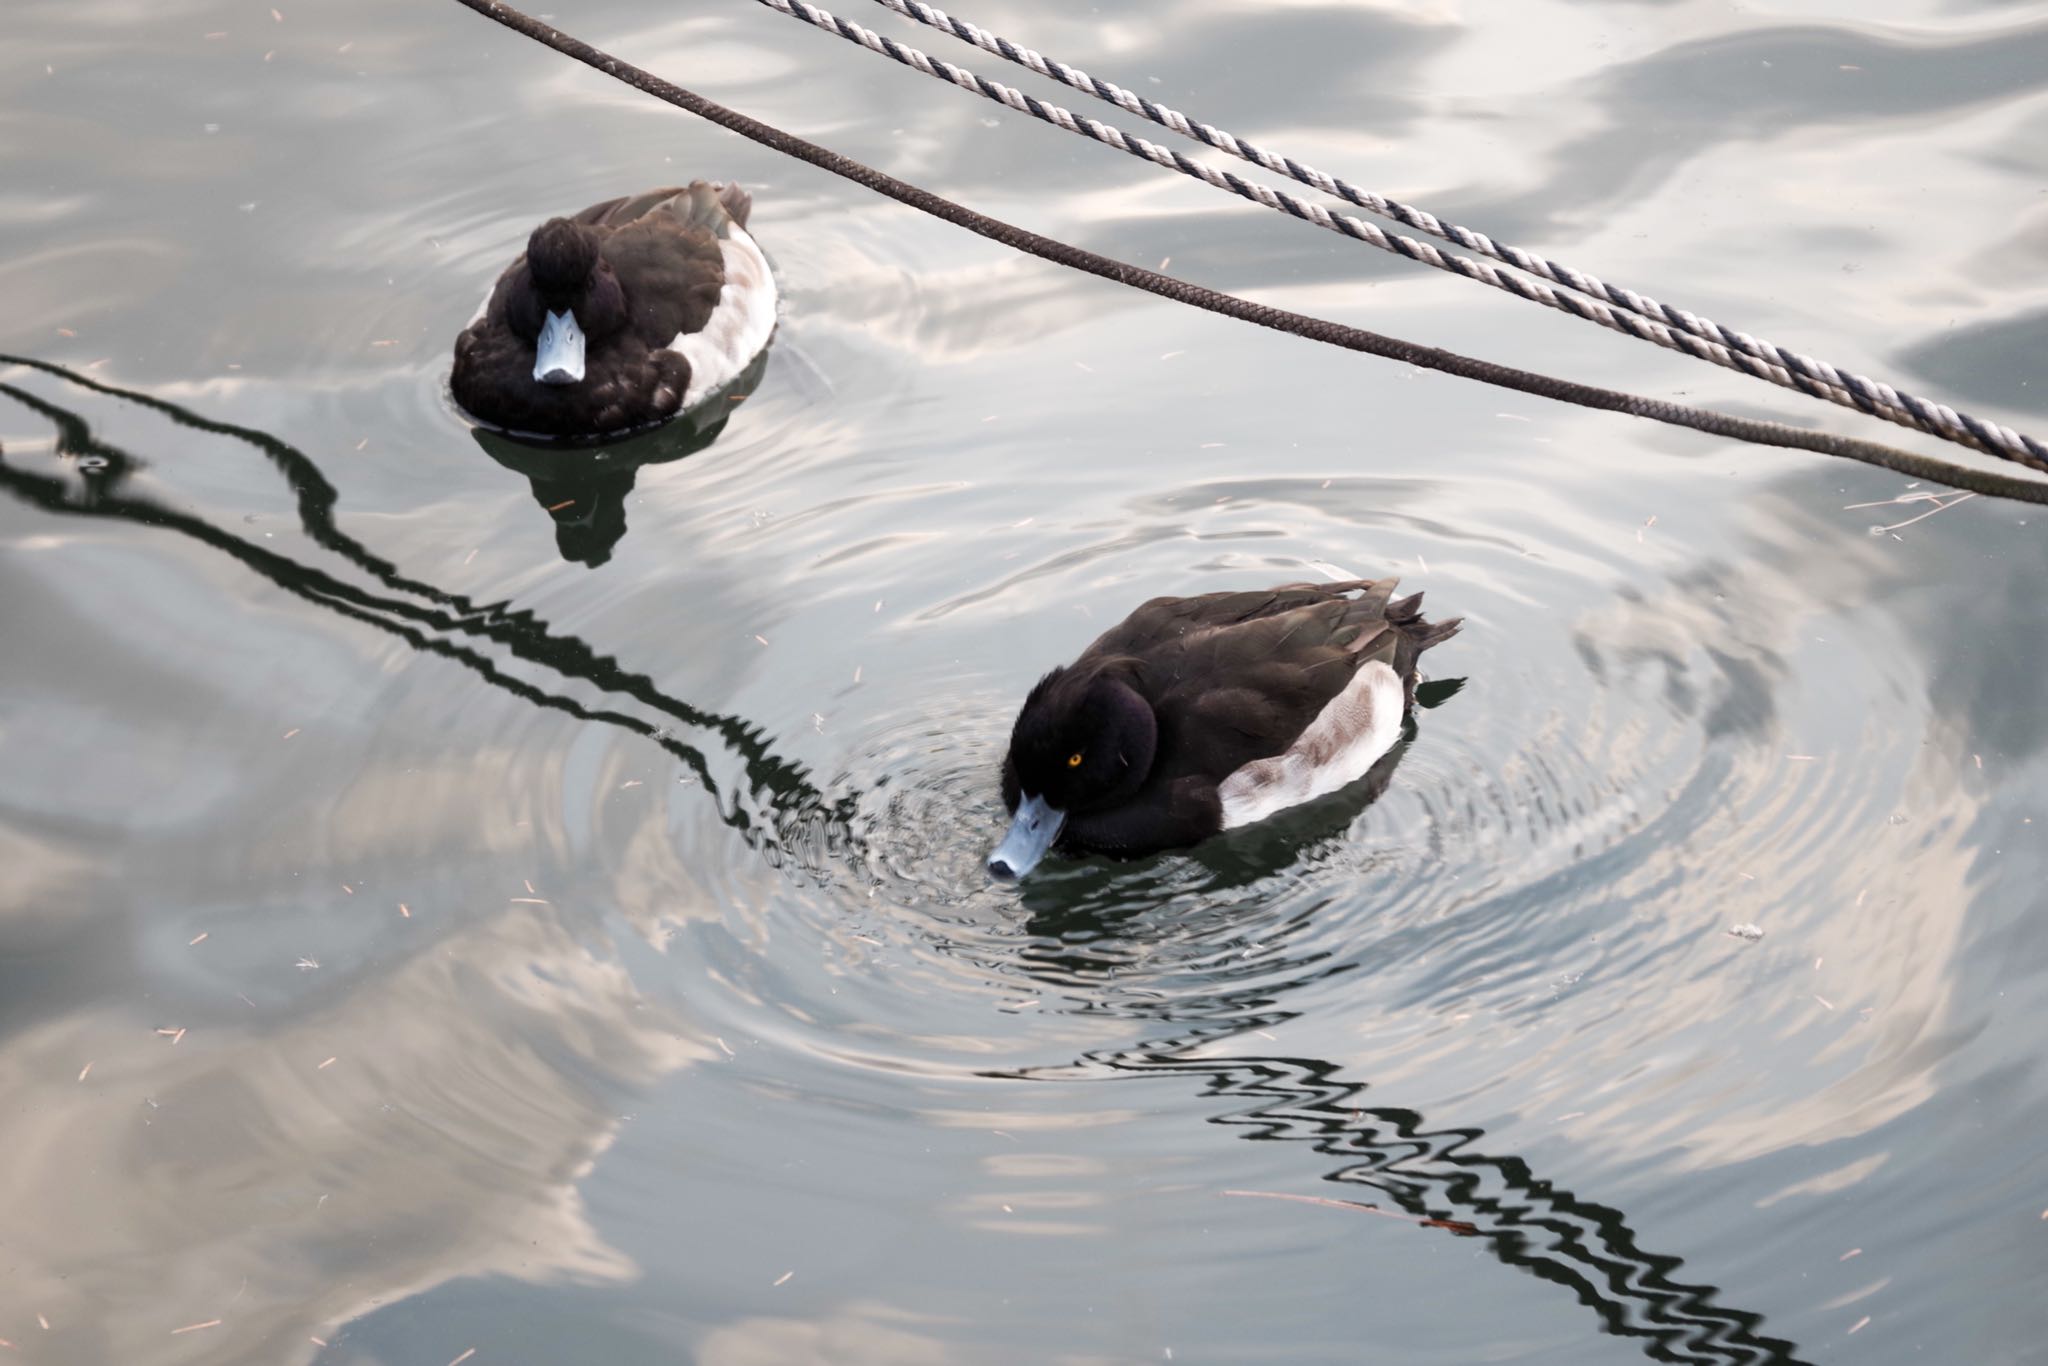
x,y
427,924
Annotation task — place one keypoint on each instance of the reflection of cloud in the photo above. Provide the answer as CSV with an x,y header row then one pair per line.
x,y
230,1175
2000,360
1316,66
1786,815
1664,110
857,1334
106,273
33,869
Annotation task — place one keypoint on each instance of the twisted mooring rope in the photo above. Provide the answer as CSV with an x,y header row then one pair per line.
x,y
1595,301
1910,463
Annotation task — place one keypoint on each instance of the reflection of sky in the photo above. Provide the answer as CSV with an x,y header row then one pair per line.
x,y
250,1156
1532,917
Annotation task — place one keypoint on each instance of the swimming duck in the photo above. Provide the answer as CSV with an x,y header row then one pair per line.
x,y
628,313
1197,715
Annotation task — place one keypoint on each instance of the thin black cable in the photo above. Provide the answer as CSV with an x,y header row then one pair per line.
x,y
1910,463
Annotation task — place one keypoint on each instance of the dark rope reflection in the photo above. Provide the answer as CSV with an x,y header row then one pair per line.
x,y
783,812
1439,1176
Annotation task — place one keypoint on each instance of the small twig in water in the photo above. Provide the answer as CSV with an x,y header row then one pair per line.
x,y
1456,1226
1942,501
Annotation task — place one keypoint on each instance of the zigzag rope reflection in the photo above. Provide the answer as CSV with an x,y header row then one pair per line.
x,y
796,821
1439,1177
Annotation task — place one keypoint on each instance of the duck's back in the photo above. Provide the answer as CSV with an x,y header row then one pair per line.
x,y
672,273
1164,622
701,202
1270,698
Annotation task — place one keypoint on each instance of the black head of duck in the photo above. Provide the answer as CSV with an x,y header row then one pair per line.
x,y
619,317
1197,715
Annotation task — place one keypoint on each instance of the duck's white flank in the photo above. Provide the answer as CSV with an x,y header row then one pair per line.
x,y
739,327
1347,737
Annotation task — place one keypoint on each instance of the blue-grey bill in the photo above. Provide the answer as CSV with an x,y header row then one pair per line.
x,y
558,359
1036,826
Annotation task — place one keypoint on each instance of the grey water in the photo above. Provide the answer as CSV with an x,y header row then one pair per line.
x,y
455,907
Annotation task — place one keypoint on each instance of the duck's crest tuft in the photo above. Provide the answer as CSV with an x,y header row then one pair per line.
x,y
561,254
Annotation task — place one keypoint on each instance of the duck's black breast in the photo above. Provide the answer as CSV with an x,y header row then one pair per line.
x,y
1161,815
626,383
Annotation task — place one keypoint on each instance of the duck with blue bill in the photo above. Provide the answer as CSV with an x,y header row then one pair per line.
x,y
1198,715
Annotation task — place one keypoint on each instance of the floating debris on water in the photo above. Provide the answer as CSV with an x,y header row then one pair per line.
x,y
1457,1226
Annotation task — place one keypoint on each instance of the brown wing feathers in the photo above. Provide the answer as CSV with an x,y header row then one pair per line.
x,y
1242,674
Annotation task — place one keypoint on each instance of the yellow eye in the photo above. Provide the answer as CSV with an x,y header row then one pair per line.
x,y
1073,761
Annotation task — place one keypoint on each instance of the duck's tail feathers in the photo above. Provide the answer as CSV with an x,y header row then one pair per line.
x,y
705,204
1415,635
1406,613
1369,606
616,213
715,208
1430,633
736,201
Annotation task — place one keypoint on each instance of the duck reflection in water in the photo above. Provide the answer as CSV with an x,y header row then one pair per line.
x,y
583,487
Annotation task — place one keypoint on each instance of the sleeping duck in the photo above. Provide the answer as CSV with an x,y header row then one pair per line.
x,y
633,311
1197,715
